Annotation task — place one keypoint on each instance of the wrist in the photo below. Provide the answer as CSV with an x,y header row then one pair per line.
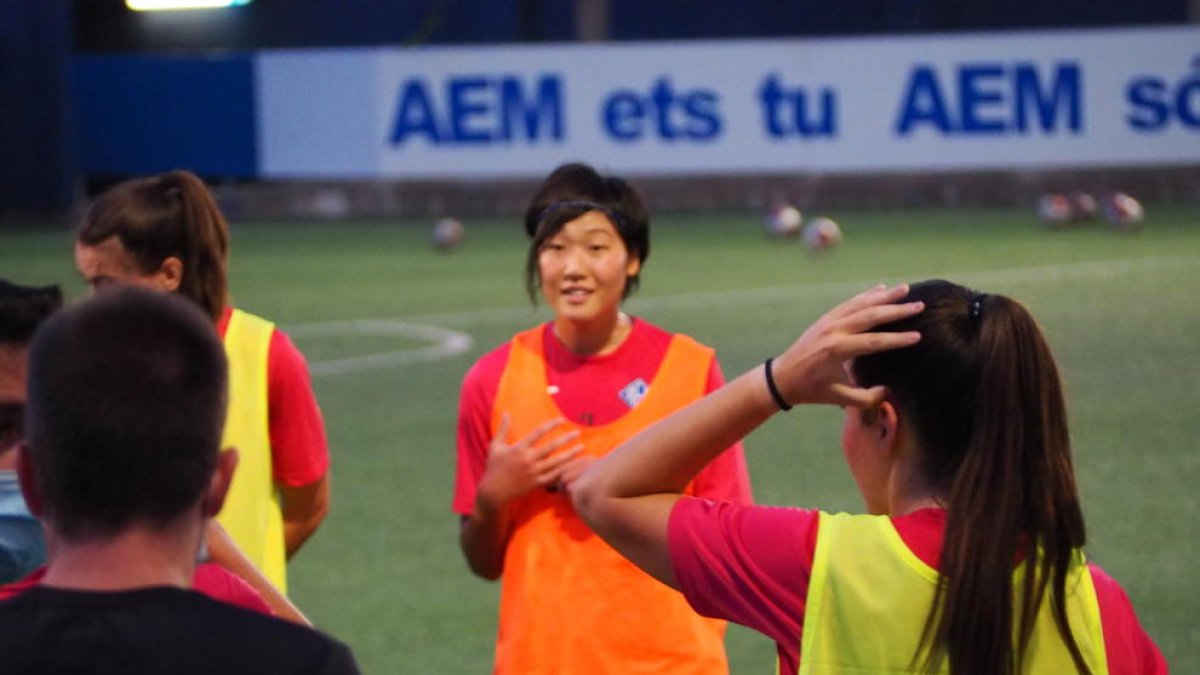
x,y
487,503
773,388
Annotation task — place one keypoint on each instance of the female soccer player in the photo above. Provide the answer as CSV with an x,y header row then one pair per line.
x,y
956,433
167,233
535,411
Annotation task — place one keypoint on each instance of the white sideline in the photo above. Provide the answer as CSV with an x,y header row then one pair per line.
x,y
448,343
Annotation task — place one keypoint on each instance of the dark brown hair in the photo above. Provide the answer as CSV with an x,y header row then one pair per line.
x,y
572,190
171,215
127,395
986,404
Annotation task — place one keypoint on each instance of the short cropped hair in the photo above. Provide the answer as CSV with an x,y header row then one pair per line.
x,y
126,404
23,308
572,190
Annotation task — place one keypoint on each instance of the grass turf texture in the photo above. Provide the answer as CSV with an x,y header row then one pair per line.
x,y
384,573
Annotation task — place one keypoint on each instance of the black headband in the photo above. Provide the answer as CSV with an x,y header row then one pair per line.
x,y
583,205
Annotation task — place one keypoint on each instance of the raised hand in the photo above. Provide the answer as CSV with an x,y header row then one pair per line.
x,y
813,369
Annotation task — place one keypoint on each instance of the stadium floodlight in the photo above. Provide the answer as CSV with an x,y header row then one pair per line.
x,y
155,5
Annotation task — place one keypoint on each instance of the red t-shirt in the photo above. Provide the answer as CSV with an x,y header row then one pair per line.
x,y
751,565
589,390
210,579
299,451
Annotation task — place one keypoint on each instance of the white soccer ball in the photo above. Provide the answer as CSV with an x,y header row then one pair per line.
x,y
1123,211
784,222
447,234
1054,209
1083,206
822,233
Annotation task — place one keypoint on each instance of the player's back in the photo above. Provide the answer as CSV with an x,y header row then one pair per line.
x,y
51,631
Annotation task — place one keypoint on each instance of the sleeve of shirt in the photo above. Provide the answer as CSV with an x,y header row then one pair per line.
x,y
299,450
475,401
726,478
1129,649
746,564
219,583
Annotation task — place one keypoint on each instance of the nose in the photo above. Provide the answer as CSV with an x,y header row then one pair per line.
x,y
573,264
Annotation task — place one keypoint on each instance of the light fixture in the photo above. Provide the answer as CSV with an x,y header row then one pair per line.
x,y
157,5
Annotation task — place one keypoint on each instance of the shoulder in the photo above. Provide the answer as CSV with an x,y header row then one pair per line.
x,y
486,370
1128,646
288,646
650,332
283,351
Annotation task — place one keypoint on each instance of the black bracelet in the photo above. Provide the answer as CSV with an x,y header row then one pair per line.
x,y
775,395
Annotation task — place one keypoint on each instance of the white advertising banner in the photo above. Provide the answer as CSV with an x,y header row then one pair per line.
x,y
1027,100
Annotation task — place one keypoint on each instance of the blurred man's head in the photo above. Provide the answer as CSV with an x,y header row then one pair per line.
x,y
22,310
126,404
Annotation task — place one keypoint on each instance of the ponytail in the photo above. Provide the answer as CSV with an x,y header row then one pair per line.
x,y
172,215
987,407
207,242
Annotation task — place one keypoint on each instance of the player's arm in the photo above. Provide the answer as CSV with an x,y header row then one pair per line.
x,y
626,497
225,552
537,461
726,478
299,449
303,509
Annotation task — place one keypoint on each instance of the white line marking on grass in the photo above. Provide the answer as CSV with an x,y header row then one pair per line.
x,y
1010,275
449,343
446,343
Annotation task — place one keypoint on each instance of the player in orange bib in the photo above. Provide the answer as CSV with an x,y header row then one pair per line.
x,y
536,411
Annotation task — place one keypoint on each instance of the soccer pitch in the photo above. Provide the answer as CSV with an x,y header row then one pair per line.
x,y
390,327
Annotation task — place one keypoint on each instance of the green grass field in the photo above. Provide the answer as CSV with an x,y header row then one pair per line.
x,y
1122,313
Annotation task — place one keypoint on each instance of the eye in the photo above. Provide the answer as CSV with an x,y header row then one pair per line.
x,y
552,246
597,248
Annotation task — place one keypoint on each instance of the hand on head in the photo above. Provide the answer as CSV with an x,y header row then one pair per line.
x,y
813,369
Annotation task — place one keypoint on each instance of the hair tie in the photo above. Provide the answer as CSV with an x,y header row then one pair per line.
x,y
583,204
975,309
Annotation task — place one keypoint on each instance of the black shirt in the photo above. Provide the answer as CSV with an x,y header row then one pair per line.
x,y
50,631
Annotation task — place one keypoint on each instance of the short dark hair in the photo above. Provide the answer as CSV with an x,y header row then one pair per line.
x,y
126,404
572,190
23,308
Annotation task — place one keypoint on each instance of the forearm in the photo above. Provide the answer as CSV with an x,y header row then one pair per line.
x,y
223,551
303,509
296,532
483,538
667,455
627,497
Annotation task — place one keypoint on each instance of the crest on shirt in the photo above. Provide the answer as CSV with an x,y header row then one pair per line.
x,y
634,392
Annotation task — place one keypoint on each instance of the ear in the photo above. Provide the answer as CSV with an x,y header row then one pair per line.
x,y
218,487
26,476
170,274
889,424
633,266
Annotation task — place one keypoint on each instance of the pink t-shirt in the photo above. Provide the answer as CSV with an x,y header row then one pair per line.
x,y
752,564
299,451
590,390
